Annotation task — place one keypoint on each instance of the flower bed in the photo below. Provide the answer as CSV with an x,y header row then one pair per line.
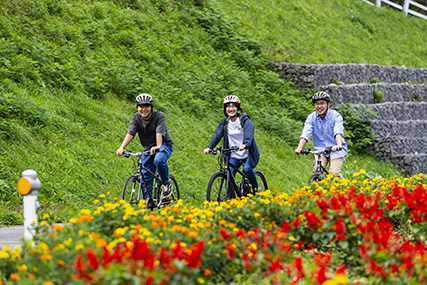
x,y
335,232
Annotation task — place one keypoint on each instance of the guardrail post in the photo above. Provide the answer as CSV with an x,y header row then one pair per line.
x,y
378,2
406,7
29,186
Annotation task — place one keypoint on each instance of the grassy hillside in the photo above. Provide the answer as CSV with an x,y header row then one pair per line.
x,y
323,31
70,70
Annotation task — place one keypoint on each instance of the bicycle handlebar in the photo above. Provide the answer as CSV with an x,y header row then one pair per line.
x,y
138,154
223,150
316,152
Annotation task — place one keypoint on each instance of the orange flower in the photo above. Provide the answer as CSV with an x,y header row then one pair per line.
x,y
222,222
58,227
193,234
31,276
60,262
14,276
47,282
231,225
207,272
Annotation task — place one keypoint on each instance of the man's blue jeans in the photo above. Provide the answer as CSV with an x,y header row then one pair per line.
x,y
247,170
158,161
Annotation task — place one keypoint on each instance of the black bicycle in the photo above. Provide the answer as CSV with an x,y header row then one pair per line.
x,y
320,170
217,190
136,187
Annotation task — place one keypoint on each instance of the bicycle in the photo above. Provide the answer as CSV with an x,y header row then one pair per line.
x,y
137,183
318,174
217,191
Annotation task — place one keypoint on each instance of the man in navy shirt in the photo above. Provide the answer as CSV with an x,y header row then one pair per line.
x,y
326,127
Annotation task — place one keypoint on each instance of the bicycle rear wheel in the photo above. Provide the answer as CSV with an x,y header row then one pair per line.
x,y
130,190
262,182
217,187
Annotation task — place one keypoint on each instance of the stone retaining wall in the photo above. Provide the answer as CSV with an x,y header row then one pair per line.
x,y
414,129
314,75
365,93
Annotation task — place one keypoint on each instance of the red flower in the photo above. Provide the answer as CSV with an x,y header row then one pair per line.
x,y
285,227
225,234
93,258
296,223
312,219
340,229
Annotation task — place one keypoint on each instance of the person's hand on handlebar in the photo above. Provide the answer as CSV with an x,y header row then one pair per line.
x,y
336,148
298,150
154,149
120,151
242,147
206,151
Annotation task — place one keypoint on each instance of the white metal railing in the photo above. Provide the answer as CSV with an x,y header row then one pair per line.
x,y
405,8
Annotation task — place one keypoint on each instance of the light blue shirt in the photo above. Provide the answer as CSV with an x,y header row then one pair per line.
x,y
324,131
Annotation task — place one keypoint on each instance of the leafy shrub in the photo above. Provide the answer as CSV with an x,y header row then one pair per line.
x,y
356,126
378,96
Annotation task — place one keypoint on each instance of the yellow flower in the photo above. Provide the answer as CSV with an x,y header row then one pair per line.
x,y
291,238
362,171
96,202
356,174
6,248
22,268
102,196
201,280
85,211
46,216
79,246
341,279
257,215
330,282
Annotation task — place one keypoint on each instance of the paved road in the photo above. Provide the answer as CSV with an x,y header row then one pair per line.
x,y
11,236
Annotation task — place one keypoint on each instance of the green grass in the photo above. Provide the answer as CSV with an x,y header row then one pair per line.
x,y
70,70
324,31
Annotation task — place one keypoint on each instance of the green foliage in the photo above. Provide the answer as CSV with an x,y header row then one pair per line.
x,y
378,96
375,80
356,125
324,31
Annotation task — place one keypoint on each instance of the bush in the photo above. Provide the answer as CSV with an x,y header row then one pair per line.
x,y
357,132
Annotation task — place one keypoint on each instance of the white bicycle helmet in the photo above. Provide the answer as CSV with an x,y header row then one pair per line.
x,y
321,96
144,99
231,99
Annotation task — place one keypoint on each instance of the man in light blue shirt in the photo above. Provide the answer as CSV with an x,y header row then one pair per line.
x,y
326,127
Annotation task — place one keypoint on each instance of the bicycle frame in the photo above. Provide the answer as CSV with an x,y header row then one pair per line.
x,y
231,180
319,168
140,175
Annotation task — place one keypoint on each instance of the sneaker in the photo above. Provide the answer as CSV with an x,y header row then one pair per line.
x,y
167,190
150,204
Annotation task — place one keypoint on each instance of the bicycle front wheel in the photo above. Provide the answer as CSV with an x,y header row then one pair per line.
x,y
315,177
262,182
217,187
131,189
